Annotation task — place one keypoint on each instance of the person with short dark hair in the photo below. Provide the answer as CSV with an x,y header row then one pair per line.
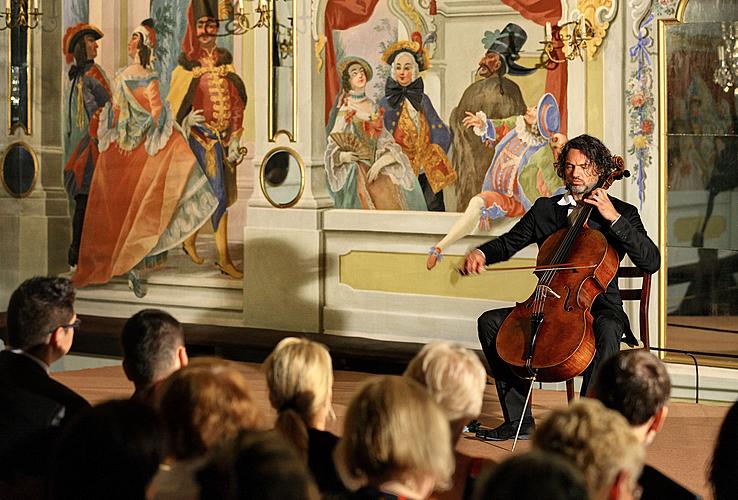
x,y
722,472
584,163
635,384
153,348
554,479
40,325
202,405
111,451
256,465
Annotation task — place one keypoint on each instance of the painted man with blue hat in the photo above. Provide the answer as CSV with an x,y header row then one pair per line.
x,y
411,118
495,94
521,170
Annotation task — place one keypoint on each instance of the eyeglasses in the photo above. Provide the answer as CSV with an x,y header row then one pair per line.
x,y
74,325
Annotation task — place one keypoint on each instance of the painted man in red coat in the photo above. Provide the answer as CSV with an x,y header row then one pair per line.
x,y
208,99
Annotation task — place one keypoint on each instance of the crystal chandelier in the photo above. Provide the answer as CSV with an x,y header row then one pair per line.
x,y
726,73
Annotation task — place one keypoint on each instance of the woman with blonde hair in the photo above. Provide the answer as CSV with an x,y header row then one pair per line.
x,y
299,375
455,378
203,404
396,442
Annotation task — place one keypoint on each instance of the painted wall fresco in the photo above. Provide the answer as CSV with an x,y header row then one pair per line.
x,y
409,132
150,152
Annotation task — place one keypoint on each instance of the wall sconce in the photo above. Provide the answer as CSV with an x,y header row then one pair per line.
x,y
18,15
726,73
569,40
241,24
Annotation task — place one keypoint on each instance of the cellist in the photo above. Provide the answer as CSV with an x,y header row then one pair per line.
x,y
583,162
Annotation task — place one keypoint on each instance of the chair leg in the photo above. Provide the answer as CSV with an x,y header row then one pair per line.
x,y
570,390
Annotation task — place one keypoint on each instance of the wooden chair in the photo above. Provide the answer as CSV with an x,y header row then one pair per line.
x,y
643,295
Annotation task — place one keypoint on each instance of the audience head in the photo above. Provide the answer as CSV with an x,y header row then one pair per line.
x,y
635,384
255,465
203,403
722,473
41,318
454,377
599,442
153,347
299,374
110,451
555,478
395,433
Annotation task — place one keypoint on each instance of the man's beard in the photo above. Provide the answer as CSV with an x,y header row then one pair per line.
x,y
483,67
581,189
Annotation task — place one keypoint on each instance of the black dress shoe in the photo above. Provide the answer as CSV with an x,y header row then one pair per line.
x,y
507,431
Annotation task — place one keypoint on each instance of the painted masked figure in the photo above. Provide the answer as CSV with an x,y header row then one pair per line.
x,y
411,118
148,193
208,99
89,91
522,169
364,165
497,96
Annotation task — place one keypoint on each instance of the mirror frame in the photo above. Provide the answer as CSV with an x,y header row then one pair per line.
x,y
30,150
26,127
271,133
300,164
663,24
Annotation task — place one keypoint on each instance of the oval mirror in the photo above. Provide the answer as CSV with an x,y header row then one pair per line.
x,y
20,170
282,177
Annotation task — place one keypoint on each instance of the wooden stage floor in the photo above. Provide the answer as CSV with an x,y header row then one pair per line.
x,y
682,450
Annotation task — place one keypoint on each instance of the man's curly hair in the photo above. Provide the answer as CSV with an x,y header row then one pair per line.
x,y
595,151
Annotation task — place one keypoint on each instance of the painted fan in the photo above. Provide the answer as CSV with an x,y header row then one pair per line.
x,y
347,141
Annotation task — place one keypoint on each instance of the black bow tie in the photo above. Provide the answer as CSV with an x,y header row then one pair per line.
x,y
78,71
396,93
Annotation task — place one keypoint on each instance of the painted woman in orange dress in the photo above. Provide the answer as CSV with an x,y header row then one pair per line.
x,y
148,193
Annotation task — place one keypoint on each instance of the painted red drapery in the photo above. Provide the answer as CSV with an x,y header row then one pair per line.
x,y
340,15
540,11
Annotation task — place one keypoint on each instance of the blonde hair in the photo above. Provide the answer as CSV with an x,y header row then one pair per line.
x,y
454,377
299,374
392,428
598,441
206,402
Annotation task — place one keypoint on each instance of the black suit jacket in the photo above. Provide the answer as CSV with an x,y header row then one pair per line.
x,y
627,235
657,486
33,406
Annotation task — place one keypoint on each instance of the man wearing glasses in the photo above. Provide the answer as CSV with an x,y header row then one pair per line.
x,y
33,406
583,162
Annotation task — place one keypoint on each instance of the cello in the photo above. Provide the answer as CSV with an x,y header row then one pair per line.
x,y
549,337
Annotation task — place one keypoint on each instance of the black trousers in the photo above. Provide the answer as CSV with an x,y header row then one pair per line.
x,y
608,330
434,201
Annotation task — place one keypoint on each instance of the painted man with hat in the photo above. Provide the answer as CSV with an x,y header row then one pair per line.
x,y
411,118
88,93
494,94
208,99
365,167
521,170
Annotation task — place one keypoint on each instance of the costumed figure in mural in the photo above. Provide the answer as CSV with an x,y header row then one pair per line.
x,y
88,93
148,193
208,99
522,169
411,118
364,165
495,95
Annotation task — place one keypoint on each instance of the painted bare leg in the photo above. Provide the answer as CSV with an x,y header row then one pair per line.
x,y
462,227
221,245
190,248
